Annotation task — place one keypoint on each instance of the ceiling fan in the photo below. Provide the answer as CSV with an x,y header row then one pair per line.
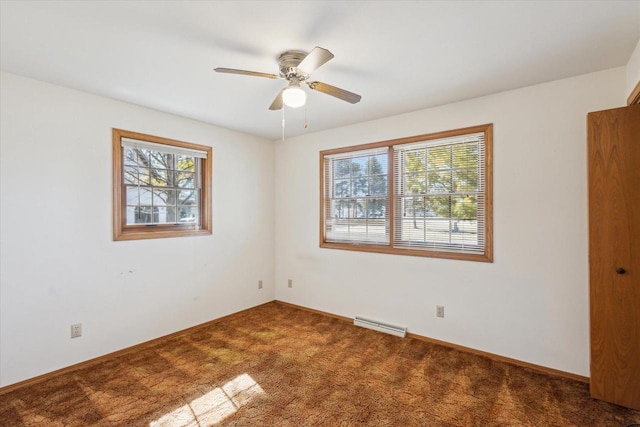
x,y
296,66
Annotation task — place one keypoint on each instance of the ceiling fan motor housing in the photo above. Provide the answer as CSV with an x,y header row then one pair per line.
x,y
288,63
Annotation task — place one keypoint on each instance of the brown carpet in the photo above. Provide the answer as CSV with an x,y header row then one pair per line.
x,y
277,365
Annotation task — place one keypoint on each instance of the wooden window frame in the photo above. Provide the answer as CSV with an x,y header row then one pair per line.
x,y
389,248
121,231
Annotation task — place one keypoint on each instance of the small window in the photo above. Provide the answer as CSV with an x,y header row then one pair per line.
x,y
161,187
428,195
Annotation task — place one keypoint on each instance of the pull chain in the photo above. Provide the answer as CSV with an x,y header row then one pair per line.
x,y
283,122
305,116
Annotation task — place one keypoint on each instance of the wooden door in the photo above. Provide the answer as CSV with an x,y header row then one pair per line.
x,y
614,254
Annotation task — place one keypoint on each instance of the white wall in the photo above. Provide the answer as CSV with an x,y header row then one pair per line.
x,y
531,303
59,264
633,70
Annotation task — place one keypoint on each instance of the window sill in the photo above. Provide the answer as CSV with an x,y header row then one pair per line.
x,y
143,233
386,249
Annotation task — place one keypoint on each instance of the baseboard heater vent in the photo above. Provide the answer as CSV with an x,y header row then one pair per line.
x,y
398,331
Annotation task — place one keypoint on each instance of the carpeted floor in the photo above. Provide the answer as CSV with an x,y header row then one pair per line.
x,y
277,365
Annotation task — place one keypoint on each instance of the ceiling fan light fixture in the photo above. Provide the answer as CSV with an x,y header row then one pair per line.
x,y
296,66
294,96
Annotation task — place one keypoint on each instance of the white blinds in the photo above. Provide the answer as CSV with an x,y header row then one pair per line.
x,y
356,197
439,194
145,145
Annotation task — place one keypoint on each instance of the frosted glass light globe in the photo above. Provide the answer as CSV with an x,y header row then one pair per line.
x,y
294,97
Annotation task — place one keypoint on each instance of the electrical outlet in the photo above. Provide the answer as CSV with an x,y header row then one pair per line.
x,y
439,310
259,284
290,283
76,330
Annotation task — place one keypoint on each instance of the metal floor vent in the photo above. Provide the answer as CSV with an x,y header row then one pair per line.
x,y
398,331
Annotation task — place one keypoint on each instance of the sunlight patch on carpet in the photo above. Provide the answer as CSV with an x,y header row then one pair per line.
x,y
213,406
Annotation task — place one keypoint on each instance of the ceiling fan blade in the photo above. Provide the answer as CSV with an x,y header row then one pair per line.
x,y
277,103
345,95
316,58
246,73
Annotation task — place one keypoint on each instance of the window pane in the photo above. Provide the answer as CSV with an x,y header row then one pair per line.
x,y
362,230
438,221
131,215
131,175
143,175
376,208
439,157
418,207
464,232
342,168
415,160
437,230
160,160
440,205
138,196
377,165
185,163
408,205
337,229
340,208
360,186
355,209
187,197
144,157
415,183
358,166
412,229
464,207
166,215
465,180
342,188
185,180
378,185
161,177
465,155
141,215
187,214
439,182
164,197
136,175
130,158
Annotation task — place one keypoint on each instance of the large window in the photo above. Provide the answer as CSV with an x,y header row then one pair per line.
x,y
428,195
161,187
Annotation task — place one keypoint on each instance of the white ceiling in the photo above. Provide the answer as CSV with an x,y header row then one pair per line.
x,y
399,55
